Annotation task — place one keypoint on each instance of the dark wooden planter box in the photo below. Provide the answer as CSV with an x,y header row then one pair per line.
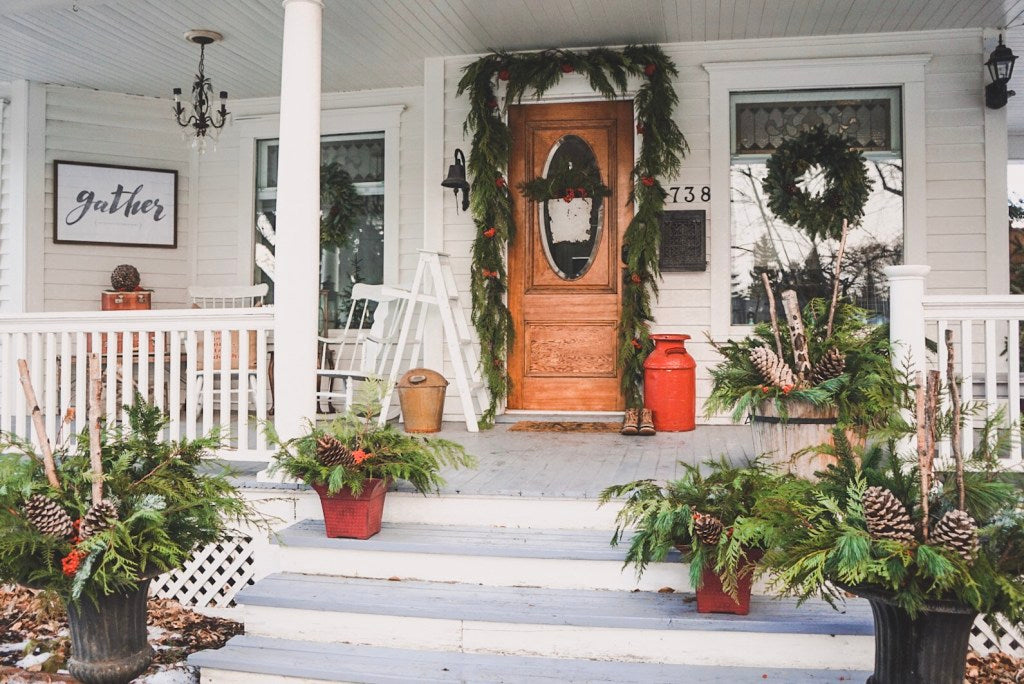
x,y
354,517
108,638
711,598
929,649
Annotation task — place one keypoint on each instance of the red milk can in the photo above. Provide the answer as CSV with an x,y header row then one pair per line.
x,y
670,384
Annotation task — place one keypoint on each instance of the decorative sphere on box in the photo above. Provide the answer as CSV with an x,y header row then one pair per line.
x,y
125,278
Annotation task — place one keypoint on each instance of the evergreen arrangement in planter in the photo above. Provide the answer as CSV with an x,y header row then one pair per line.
x,y
96,524
709,518
929,549
352,461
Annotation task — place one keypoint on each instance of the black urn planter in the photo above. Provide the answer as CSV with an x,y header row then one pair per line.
x,y
928,649
108,637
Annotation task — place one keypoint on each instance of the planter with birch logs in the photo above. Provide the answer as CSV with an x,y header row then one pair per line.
x,y
94,516
823,366
930,549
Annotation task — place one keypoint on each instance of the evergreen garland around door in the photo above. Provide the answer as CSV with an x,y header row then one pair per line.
x,y
661,152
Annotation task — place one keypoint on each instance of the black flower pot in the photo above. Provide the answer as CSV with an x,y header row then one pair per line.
x,y
928,649
108,637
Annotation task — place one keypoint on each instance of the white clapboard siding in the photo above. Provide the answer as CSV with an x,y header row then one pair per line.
x,y
955,164
8,269
205,367
108,128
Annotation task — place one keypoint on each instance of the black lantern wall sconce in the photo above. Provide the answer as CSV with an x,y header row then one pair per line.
x,y
1000,68
456,179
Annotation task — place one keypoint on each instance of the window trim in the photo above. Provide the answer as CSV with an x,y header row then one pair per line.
x,y
904,71
332,122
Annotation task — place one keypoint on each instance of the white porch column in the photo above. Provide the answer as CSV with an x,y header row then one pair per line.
x,y
296,285
906,316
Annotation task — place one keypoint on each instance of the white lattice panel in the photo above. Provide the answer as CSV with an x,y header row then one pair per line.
x,y
1007,638
211,577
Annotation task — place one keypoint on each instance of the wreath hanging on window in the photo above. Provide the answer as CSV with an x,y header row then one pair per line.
x,y
844,174
341,207
661,152
566,182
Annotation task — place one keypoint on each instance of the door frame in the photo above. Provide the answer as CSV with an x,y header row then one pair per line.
x,y
578,96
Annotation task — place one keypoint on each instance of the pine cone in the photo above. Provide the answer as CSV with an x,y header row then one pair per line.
x,y
831,365
331,452
48,516
125,278
774,370
98,518
887,518
957,530
708,528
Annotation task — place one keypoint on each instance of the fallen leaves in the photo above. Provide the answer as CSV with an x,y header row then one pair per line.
x,y
995,668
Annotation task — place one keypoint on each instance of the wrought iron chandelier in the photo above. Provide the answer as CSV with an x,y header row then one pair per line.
x,y
201,119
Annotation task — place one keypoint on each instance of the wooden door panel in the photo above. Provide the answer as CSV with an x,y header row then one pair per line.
x,y
564,353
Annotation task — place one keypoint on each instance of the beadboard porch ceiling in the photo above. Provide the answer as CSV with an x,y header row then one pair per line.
x,y
136,46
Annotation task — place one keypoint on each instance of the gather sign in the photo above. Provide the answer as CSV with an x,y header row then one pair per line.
x,y
102,204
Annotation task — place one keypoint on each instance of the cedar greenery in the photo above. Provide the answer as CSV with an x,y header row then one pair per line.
x,y
863,394
661,152
388,453
342,206
822,542
846,177
169,502
664,516
565,182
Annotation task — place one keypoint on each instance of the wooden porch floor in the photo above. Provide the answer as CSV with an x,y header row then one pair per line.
x,y
568,465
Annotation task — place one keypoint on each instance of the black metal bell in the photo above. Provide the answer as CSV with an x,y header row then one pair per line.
x,y
456,179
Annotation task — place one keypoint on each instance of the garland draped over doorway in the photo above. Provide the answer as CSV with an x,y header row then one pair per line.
x,y
661,152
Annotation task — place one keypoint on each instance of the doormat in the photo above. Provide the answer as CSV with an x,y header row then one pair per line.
x,y
563,426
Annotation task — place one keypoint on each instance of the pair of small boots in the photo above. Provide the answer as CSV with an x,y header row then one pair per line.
x,y
638,422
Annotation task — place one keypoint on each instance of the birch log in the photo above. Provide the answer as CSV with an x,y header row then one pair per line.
x,y
773,313
37,422
922,449
95,453
797,334
954,400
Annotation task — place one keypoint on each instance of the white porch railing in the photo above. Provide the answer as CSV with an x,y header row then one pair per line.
x,y
986,335
206,368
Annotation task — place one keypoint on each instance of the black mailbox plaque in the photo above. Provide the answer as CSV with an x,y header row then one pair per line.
x,y
683,241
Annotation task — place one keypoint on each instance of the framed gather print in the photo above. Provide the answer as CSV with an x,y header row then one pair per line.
x,y
101,204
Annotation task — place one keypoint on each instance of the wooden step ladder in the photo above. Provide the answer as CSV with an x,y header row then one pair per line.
x,y
434,269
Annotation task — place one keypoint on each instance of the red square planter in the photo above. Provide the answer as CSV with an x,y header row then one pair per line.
x,y
712,599
353,517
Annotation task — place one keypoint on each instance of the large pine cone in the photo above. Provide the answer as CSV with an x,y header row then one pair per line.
x,y
958,531
331,452
773,370
708,528
125,278
98,518
887,518
48,517
831,365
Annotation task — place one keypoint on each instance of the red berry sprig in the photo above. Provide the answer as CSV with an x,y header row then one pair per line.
x,y
567,68
647,181
636,278
500,181
570,195
503,75
488,273
69,563
490,232
637,344
650,69
640,128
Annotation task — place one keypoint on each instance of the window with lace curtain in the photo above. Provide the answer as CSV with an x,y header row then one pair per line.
x,y
362,259
761,243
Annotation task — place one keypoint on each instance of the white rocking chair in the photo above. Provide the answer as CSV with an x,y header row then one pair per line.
x,y
363,349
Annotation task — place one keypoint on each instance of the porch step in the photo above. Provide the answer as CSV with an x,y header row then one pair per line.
x,y
513,509
561,623
496,556
257,659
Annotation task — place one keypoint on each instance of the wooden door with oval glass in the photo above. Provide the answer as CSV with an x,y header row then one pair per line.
x,y
565,266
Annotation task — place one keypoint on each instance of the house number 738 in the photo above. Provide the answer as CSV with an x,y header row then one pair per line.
x,y
690,193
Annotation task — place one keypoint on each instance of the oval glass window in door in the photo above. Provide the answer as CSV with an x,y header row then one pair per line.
x,y
571,227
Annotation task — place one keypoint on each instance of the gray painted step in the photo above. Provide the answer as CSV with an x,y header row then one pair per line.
x,y
372,665
503,542
533,606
